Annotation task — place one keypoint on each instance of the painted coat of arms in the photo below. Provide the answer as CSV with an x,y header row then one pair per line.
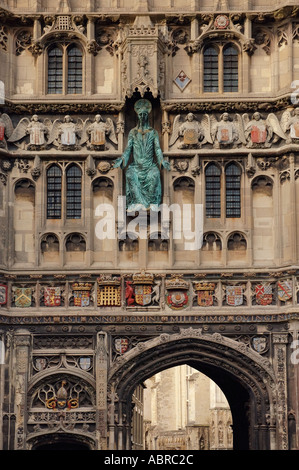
x,y
81,292
263,294
143,294
109,290
23,296
139,291
205,292
121,345
259,344
52,296
284,290
234,295
177,295
3,294
85,363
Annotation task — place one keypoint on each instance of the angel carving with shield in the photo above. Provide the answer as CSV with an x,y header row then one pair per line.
x,y
190,132
95,133
36,131
290,125
6,129
261,132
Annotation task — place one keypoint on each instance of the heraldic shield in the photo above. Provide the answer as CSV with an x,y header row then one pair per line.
x,y
23,297
121,345
234,295
177,299
205,292
284,289
3,294
52,296
263,294
143,294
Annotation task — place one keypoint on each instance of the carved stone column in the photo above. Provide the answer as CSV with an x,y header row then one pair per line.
x,y
280,341
22,354
101,392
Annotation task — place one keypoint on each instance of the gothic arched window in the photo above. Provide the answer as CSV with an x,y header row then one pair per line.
x,y
73,192
220,68
233,190
74,82
211,70
213,191
65,65
55,71
54,180
230,69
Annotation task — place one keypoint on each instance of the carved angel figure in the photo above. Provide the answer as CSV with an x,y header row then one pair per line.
x,y
68,131
6,129
190,132
290,125
94,133
34,128
262,132
64,133
222,133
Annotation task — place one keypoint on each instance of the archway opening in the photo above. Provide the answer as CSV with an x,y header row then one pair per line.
x,y
60,442
235,368
180,408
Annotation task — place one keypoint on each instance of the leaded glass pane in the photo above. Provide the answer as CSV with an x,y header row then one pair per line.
x,y
55,72
211,70
74,71
73,193
54,193
213,191
230,69
233,193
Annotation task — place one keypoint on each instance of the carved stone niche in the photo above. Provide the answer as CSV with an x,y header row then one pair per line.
x,y
143,62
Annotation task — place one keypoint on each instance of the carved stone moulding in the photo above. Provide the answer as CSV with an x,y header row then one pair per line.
x,y
63,107
222,106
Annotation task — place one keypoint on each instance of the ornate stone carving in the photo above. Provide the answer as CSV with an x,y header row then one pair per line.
x,y
36,131
6,129
23,41
262,38
290,124
261,132
94,133
190,132
3,37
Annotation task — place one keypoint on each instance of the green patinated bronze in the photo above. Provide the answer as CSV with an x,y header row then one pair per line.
x,y
143,181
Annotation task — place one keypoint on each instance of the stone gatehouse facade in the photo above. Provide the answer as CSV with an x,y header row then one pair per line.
x,y
85,320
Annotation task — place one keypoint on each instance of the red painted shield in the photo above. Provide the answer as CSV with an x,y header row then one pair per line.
x,y
205,298
2,131
52,296
258,134
263,293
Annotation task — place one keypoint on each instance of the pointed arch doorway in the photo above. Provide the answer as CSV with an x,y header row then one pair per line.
x,y
246,380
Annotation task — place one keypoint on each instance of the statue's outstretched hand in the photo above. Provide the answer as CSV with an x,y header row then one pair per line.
x,y
118,162
166,164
